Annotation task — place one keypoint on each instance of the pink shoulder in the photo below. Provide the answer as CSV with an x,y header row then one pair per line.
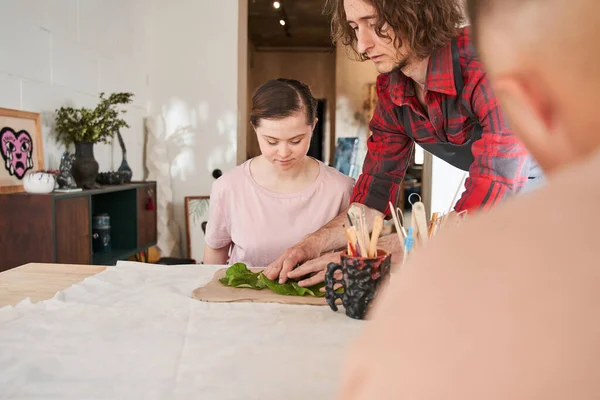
x,y
228,181
335,177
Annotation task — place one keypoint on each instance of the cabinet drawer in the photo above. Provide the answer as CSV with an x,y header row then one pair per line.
x,y
73,245
25,230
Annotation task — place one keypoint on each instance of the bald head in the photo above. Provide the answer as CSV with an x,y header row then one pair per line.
x,y
479,9
542,58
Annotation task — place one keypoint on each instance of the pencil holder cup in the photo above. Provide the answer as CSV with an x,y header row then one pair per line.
x,y
361,279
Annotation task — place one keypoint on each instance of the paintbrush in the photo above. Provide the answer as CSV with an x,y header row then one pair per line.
x,y
432,226
399,232
355,213
351,236
377,227
420,218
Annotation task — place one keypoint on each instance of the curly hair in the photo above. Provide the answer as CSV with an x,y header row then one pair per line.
x,y
426,25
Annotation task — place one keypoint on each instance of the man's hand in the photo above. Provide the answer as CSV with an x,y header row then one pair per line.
x,y
329,237
316,267
293,256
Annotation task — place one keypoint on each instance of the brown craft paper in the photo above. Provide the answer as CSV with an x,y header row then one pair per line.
x,y
216,292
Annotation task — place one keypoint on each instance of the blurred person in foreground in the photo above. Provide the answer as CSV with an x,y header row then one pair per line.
x,y
519,320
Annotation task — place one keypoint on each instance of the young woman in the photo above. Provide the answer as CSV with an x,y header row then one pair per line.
x,y
260,208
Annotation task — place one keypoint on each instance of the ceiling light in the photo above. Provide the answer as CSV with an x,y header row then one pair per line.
x,y
276,4
282,22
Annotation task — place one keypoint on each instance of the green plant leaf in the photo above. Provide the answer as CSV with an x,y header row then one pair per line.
x,y
292,288
238,275
285,289
91,125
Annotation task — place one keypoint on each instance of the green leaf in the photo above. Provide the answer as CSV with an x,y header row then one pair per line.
x,y
238,275
292,288
238,269
285,289
91,125
316,289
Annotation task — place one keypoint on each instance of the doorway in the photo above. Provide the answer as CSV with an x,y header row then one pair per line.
x,y
317,143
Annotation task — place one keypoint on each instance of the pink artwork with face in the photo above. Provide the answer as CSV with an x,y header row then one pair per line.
x,y
17,150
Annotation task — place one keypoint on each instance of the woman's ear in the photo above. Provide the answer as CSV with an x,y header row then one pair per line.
x,y
314,124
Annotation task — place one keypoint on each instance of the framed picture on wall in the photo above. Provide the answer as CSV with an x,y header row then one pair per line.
x,y
345,156
21,147
196,208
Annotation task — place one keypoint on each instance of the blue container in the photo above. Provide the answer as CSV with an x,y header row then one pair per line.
x,y
101,233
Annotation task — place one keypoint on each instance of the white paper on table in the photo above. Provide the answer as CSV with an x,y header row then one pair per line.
x,y
133,331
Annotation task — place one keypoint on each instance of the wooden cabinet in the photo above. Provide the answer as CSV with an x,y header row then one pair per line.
x,y
146,219
57,227
72,219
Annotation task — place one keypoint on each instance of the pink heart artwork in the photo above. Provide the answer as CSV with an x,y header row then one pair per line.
x,y
17,150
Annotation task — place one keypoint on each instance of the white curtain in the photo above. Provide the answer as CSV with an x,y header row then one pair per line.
x,y
158,166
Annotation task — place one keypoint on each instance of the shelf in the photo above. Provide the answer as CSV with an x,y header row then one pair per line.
x,y
90,192
113,256
103,190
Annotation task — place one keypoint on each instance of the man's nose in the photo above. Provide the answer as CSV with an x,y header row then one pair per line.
x,y
364,40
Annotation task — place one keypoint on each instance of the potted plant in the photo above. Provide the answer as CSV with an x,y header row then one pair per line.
x,y
84,127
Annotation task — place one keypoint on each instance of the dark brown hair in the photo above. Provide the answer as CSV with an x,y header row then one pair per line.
x,y
426,25
280,98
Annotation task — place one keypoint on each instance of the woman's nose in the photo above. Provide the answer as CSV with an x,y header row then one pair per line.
x,y
284,150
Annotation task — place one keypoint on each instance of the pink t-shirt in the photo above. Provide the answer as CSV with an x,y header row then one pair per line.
x,y
262,224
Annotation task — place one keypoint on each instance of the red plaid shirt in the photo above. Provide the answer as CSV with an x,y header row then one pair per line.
x,y
501,164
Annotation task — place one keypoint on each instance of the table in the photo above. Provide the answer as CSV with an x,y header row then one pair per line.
x,y
133,331
41,281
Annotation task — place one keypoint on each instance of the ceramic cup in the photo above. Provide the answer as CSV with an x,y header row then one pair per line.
x,y
361,279
39,183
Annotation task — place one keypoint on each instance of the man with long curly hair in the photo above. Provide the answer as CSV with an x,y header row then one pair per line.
x,y
432,90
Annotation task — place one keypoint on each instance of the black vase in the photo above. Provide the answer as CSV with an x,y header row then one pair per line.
x,y
124,170
85,167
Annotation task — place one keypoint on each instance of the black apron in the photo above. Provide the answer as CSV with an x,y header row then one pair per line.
x,y
458,155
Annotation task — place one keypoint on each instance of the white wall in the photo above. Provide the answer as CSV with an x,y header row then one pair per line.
x,y
61,52
445,181
244,49
193,75
179,57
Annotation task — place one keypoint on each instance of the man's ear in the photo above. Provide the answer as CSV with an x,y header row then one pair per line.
x,y
314,124
528,111
529,118
535,119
